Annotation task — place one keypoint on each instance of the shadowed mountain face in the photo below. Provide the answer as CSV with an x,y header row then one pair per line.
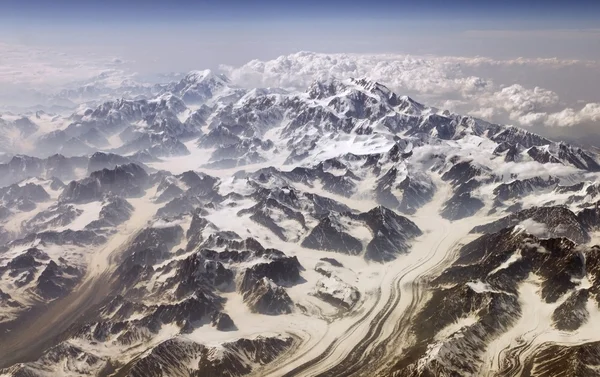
x,y
344,230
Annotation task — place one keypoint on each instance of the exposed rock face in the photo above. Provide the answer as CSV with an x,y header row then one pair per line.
x,y
175,357
198,271
390,234
56,281
462,172
22,167
83,191
262,285
188,184
520,188
26,126
240,153
282,270
218,136
64,237
265,297
59,358
186,193
461,206
337,292
55,216
557,222
27,263
99,161
115,211
413,192
156,145
486,276
571,361
516,136
195,246
329,234
511,152
223,322
466,177
572,313
29,191
148,246
47,278
344,185
124,180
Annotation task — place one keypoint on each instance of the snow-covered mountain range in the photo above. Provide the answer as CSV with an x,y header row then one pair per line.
x,y
197,228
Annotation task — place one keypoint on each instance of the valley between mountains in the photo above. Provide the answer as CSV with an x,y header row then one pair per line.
x,y
197,228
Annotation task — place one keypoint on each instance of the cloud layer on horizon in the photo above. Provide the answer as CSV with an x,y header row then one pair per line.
x,y
440,81
44,68
469,85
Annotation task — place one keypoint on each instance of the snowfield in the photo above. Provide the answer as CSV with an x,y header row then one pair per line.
x,y
196,227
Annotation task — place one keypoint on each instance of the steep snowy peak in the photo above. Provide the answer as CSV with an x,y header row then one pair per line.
x,y
377,89
565,154
315,123
199,87
350,97
168,101
205,76
119,109
111,117
253,114
409,106
575,156
330,87
134,109
515,136
546,222
188,183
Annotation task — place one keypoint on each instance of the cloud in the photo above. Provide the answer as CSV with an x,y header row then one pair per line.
x,y
428,74
516,99
36,76
535,228
469,85
569,117
29,67
534,107
530,169
441,81
400,72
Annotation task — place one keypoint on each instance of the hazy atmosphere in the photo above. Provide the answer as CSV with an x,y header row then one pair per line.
x,y
317,188
532,64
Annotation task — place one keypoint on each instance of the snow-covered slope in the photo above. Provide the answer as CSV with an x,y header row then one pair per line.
x,y
343,230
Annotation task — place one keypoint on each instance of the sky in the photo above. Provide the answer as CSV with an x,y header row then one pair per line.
x,y
47,45
238,30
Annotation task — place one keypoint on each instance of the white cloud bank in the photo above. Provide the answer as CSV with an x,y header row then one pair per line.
x,y
447,82
44,68
436,80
